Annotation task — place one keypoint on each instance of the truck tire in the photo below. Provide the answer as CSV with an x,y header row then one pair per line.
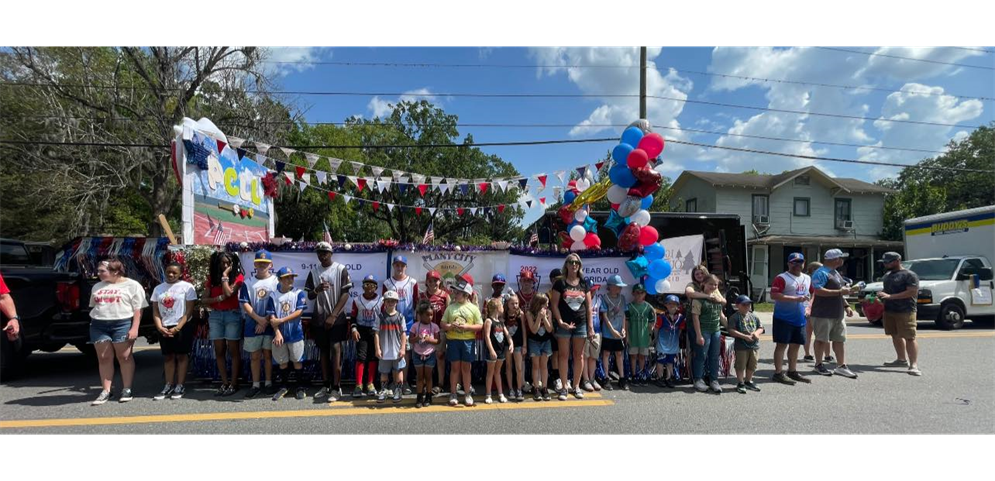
x,y
951,316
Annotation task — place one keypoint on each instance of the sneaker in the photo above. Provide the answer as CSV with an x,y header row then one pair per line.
x,y
229,390
661,383
252,392
897,363
468,400
545,394
280,393
914,371
271,389
843,370
668,383
357,392
519,396
608,385
798,377
488,400
419,400
502,399
459,389
557,384
407,390
221,390
588,386
300,394
700,386
562,395
781,378
570,385
716,388
125,396
397,394
166,391
808,358
752,386
741,388
595,385
371,390
830,359
578,393
623,384
335,394
613,375
537,394
178,392
436,391
324,391
428,400
453,400
382,395
821,369
102,398
527,387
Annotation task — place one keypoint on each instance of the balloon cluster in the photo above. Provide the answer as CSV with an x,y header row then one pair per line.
x,y
582,229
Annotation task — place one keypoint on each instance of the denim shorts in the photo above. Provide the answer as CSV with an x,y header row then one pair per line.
x,y
428,361
540,348
385,366
225,325
579,331
461,351
109,331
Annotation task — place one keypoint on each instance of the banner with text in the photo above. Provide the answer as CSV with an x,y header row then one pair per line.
x,y
683,253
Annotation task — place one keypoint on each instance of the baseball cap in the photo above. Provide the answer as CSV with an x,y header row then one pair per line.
x,y
391,295
401,259
285,271
832,254
638,288
743,299
468,278
616,280
433,275
796,257
370,278
527,275
323,247
463,286
498,279
263,255
671,299
889,257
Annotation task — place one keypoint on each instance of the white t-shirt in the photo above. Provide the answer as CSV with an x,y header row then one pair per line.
x,y
172,299
114,302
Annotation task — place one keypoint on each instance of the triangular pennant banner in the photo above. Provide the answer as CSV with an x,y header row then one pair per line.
x,y
235,142
529,203
556,192
376,206
503,185
300,171
376,171
542,202
334,165
523,184
431,210
287,151
417,210
262,148
402,187
381,185
542,180
241,153
560,174
301,185
221,146
418,178
387,184
396,174
599,165
390,207
436,182
311,159
331,195
356,167
360,183
290,177
464,189
460,211
347,198
501,208
473,211
341,180
487,211
444,188
422,188
483,187
306,178
581,170
321,177
280,166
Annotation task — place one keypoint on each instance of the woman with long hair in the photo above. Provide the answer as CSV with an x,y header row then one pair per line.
x,y
116,304
570,303
224,279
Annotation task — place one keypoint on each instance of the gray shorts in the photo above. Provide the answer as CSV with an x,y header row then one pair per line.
x,y
288,352
827,329
257,342
387,366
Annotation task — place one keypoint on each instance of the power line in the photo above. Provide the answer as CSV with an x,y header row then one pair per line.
x,y
542,142
872,54
974,49
545,95
503,125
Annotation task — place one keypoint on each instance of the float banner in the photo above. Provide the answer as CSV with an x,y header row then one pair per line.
x,y
683,253
596,269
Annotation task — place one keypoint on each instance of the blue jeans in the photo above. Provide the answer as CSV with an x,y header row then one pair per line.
x,y
713,344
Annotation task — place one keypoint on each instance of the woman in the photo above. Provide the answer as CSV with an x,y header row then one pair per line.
x,y
571,305
812,267
696,288
221,294
116,304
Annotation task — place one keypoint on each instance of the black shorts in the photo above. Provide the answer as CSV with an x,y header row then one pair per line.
x,y
366,350
787,333
181,342
612,345
325,337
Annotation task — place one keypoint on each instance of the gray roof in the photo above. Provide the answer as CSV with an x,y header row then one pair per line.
x,y
769,181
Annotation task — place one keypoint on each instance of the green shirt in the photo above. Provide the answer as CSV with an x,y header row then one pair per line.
x,y
467,312
641,319
708,315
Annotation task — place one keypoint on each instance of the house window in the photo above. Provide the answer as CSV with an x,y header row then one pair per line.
x,y
803,180
844,212
761,208
691,205
802,205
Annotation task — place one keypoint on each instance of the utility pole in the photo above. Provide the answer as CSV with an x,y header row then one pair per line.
x,y
642,82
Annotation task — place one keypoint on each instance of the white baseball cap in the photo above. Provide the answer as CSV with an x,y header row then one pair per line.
x,y
391,294
832,254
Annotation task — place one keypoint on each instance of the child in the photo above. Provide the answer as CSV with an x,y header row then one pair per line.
x,y
172,302
388,337
424,337
668,331
615,327
257,332
515,324
461,322
439,299
498,287
539,321
554,275
284,310
592,347
498,344
641,318
746,328
364,311
707,316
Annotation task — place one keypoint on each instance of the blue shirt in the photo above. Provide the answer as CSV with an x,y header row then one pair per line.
x,y
614,313
282,304
256,292
668,339
596,314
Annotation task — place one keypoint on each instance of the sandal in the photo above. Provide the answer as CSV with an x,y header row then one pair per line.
x,y
232,389
221,390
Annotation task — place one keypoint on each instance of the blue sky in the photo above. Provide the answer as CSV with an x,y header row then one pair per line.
x,y
673,75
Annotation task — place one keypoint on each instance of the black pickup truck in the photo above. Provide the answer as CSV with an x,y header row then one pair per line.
x,y
53,307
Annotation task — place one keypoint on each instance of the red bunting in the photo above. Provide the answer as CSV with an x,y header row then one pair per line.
x,y
221,146
286,179
460,211
542,180
422,188
376,206
599,165
417,210
300,172
542,200
501,208
483,187
331,196
361,183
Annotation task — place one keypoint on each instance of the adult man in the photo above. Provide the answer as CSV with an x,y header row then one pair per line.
x,y
13,328
828,309
329,287
790,292
901,289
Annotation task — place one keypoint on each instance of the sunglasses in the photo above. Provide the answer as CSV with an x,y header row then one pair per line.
x,y
796,262
573,263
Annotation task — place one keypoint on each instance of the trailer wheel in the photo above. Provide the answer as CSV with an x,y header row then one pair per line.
x,y
951,316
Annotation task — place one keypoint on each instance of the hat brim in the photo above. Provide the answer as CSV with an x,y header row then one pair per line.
x,y
262,260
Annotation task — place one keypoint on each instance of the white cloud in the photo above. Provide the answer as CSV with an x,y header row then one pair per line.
x,y
381,108
906,70
300,56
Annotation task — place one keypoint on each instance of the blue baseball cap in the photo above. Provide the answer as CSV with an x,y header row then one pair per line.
x,y
498,279
796,257
401,259
671,299
743,299
263,255
285,271
616,280
370,278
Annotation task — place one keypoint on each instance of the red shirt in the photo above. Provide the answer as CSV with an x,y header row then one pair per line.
x,y
229,304
3,286
439,301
